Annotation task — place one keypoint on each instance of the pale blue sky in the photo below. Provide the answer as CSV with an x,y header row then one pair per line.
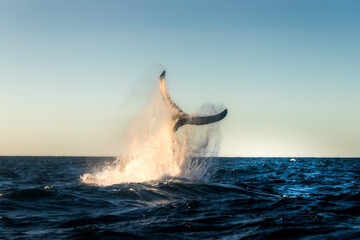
x,y
288,71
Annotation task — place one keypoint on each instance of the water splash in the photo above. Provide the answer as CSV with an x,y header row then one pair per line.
x,y
152,151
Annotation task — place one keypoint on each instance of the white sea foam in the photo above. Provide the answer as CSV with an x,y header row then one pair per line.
x,y
152,151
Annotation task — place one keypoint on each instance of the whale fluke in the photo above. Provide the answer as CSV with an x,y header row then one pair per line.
x,y
179,117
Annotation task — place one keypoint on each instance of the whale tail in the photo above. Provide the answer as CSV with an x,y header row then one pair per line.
x,y
179,117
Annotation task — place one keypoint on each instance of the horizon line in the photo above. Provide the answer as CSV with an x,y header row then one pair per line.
x,y
99,156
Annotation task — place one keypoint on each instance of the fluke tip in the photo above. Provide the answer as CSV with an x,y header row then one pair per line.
x,y
162,75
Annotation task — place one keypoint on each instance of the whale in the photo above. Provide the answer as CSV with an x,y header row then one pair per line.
x,y
179,117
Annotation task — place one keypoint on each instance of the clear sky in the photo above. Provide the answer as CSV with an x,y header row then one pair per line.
x,y
288,72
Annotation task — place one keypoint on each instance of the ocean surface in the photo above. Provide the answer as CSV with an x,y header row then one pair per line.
x,y
240,198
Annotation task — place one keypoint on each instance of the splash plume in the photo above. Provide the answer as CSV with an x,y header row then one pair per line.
x,y
153,150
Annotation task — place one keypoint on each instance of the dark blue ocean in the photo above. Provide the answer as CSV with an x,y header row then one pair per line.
x,y
244,198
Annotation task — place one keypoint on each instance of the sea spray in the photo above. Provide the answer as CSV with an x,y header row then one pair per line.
x,y
201,144
152,151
